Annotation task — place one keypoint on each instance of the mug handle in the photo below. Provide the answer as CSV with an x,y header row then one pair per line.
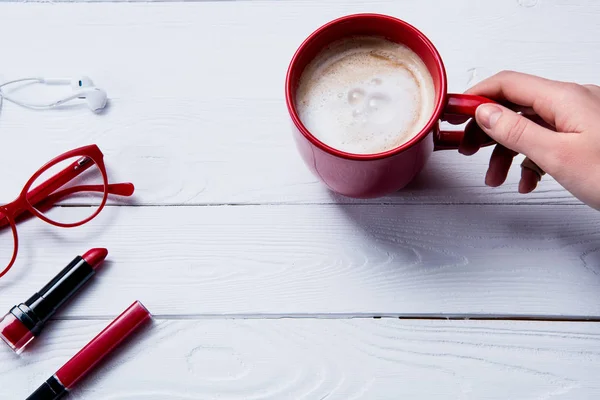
x,y
459,108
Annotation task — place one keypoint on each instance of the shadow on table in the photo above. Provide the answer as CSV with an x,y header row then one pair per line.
x,y
444,235
436,182
434,177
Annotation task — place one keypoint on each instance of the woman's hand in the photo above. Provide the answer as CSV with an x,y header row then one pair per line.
x,y
554,124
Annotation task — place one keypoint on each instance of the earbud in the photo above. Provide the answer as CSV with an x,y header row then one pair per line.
x,y
81,82
83,88
95,97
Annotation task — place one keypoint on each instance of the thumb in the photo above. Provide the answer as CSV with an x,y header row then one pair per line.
x,y
517,133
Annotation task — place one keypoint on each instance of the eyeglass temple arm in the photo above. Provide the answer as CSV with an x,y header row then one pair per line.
x,y
119,189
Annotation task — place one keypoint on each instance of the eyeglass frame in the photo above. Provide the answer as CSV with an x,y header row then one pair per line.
x,y
47,191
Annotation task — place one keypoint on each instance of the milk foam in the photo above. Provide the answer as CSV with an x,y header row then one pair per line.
x,y
365,95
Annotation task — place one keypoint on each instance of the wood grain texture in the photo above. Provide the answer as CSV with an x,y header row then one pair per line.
x,y
299,260
323,359
197,115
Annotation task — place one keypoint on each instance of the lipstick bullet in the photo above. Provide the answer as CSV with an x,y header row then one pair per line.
x,y
25,321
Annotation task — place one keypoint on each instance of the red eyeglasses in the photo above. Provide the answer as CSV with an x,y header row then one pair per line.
x,y
78,173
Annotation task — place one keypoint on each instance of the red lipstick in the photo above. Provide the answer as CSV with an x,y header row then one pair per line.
x,y
59,384
26,320
94,257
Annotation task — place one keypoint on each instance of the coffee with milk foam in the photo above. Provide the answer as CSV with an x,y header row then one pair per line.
x,y
365,95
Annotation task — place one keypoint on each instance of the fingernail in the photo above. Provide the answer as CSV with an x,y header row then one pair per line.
x,y
487,115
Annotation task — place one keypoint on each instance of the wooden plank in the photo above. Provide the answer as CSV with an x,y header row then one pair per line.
x,y
318,359
306,260
197,114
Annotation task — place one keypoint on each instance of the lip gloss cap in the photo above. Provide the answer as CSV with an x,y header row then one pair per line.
x,y
14,333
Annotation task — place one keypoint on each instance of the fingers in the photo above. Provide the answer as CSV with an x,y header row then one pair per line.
x,y
518,133
521,89
500,163
529,181
473,139
529,164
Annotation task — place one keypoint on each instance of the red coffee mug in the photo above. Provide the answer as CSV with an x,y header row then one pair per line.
x,y
374,175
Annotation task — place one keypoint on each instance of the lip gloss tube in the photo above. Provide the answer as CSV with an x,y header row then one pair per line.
x,y
25,321
59,384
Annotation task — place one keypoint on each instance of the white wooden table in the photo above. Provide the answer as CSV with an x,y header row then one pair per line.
x,y
263,285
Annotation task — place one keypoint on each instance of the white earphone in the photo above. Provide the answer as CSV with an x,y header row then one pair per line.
x,y
83,88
